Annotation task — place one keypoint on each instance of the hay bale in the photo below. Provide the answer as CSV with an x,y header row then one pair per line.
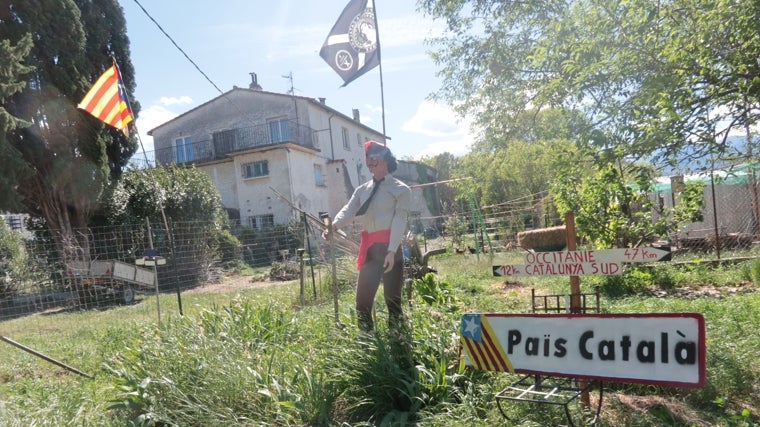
x,y
543,239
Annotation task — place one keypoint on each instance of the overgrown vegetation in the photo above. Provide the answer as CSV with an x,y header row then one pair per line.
x,y
12,259
260,358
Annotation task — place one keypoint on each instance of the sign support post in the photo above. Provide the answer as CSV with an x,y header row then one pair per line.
x,y
575,282
575,290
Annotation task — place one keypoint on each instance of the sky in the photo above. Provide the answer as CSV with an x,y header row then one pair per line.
x,y
229,39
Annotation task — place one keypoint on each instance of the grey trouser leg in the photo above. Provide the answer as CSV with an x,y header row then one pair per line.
x,y
369,281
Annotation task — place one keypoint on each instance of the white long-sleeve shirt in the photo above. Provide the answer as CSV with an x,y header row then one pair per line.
x,y
388,209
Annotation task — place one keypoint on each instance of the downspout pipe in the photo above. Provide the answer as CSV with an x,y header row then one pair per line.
x,y
290,176
329,126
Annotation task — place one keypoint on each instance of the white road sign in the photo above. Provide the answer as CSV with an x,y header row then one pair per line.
x,y
606,262
566,269
648,348
598,256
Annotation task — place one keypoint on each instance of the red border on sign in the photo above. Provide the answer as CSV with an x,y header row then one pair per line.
x,y
701,345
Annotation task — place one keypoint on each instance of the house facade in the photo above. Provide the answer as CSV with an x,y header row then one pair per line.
x,y
17,222
261,147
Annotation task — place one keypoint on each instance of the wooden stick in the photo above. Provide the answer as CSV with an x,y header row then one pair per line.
x,y
42,356
341,239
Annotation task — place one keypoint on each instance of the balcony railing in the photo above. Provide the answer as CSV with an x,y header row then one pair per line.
x,y
230,141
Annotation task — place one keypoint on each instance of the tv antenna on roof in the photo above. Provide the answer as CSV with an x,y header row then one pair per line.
x,y
292,93
292,90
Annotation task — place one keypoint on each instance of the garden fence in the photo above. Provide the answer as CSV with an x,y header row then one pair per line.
x,y
105,266
111,264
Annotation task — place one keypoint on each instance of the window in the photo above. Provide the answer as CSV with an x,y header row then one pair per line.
x,y
279,131
256,169
315,139
225,141
319,178
344,135
260,222
359,171
184,149
14,222
358,139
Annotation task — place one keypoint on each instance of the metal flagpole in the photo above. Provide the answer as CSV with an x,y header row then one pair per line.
x,y
380,66
169,235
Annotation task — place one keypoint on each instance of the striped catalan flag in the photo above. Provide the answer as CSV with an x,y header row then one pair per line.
x,y
482,346
108,102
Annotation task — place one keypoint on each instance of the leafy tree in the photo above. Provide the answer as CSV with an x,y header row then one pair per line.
x,y
613,205
184,194
456,227
12,69
642,84
668,78
186,215
692,203
70,155
609,211
508,166
445,165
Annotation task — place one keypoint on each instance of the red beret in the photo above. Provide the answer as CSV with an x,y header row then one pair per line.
x,y
374,147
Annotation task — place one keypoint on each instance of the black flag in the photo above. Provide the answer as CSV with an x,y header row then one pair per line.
x,y
352,47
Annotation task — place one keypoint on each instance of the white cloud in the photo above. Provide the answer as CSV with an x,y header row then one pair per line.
x,y
435,120
440,124
151,117
408,30
374,109
172,100
282,41
456,147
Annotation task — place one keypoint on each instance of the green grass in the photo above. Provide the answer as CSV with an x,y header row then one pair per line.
x,y
260,358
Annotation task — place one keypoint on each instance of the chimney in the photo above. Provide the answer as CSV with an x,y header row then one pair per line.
x,y
322,100
356,115
254,82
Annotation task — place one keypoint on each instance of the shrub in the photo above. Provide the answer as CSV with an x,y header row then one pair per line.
x,y
754,271
433,291
12,259
281,271
229,247
456,227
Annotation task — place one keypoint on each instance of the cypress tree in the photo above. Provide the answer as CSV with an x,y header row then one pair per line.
x,y
73,157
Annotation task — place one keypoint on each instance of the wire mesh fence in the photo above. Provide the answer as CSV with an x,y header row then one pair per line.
x,y
87,268
729,220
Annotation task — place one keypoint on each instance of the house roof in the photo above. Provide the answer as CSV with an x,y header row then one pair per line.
x,y
313,101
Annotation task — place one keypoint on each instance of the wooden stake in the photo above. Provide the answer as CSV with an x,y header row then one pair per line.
x,y
42,356
575,289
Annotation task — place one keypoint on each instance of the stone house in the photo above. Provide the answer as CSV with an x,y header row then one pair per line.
x,y
259,147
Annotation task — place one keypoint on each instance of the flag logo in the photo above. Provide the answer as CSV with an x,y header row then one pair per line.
x,y
352,48
107,100
482,346
361,33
